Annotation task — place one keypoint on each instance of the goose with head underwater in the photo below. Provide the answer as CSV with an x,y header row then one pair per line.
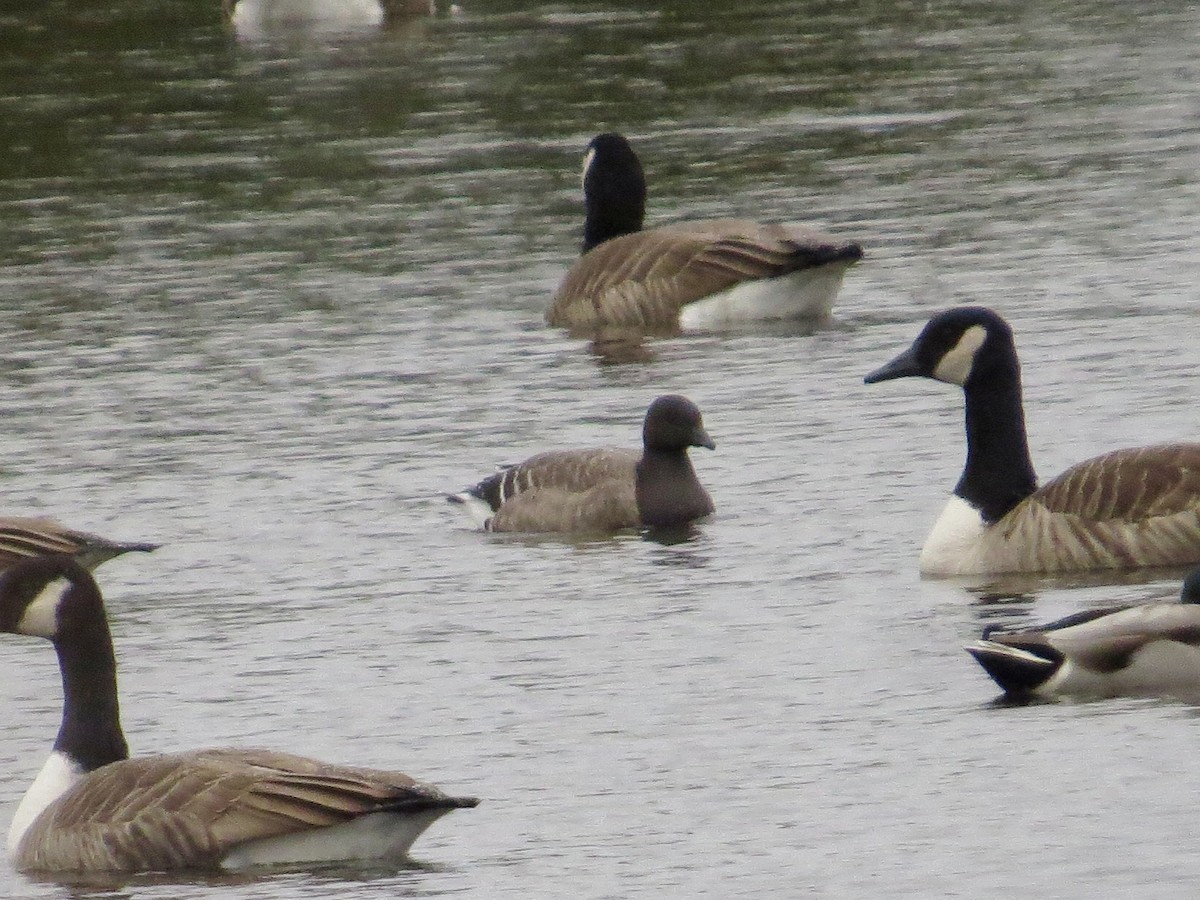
x,y
690,275
602,490
1150,650
1129,508
95,809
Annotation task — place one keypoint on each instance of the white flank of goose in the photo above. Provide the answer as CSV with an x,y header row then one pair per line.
x,y
94,809
692,275
1129,508
1151,650
602,490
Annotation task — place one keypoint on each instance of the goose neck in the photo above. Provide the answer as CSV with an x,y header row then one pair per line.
x,y
999,473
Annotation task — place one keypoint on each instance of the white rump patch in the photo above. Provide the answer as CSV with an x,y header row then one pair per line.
x,y
955,365
41,615
955,544
806,294
57,775
378,836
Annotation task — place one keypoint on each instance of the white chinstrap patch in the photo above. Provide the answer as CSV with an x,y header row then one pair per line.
x,y
955,366
587,164
56,777
954,544
477,510
807,294
41,615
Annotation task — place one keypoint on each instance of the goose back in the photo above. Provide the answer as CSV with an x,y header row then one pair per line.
x,y
1126,509
212,809
647,278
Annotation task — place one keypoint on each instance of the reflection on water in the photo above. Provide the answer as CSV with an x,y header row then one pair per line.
x,y
266,300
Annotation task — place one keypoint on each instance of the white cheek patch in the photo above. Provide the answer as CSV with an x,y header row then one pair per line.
x,y
955,366
41,615
587,164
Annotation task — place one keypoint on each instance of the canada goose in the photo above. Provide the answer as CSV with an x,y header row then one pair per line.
x,y
1148,650
602,490
21,538
697,274
94,809
1125,509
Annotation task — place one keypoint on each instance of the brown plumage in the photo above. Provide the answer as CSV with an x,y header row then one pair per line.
x,y
95,809
601,490
191,810
690,274
21,538
647,278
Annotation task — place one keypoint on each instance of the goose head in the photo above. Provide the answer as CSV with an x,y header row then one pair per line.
x,y
50,597
673,423
614,190
964,345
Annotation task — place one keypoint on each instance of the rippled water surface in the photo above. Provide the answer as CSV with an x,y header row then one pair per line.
x,y
266,295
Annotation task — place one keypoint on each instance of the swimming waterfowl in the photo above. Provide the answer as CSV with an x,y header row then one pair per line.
x,y
1126,509
94,809
21,538
698,274
1147,650
602,490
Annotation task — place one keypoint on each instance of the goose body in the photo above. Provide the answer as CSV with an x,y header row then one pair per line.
x,y
602,490
1125,509
1147,650
94,809
21,538
698,274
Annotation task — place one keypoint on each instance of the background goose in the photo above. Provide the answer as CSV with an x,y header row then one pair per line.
x,y
93,809
1128,508
693,274
602,490
1149,650
21,538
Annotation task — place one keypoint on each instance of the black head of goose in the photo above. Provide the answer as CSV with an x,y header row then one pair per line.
x,y
94,809
1126,509
698,274
21,538
1147,650
602,490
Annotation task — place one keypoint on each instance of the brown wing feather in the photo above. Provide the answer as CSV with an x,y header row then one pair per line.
x,y
570,490
645,278
21,538
190,810
1128,485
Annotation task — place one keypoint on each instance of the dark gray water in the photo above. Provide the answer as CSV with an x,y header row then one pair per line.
x,y
266,295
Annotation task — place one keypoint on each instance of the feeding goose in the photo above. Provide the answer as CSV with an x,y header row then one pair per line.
x,y
1125,509
94,809
1147,650
698,274
21,538
602,490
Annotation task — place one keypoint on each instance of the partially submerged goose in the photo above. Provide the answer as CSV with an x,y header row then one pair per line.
x,y
94,809
1148,650
602,490
21,538
698,274
1125,509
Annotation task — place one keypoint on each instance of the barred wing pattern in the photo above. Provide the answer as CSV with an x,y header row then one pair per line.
x,y
646,278
190,810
